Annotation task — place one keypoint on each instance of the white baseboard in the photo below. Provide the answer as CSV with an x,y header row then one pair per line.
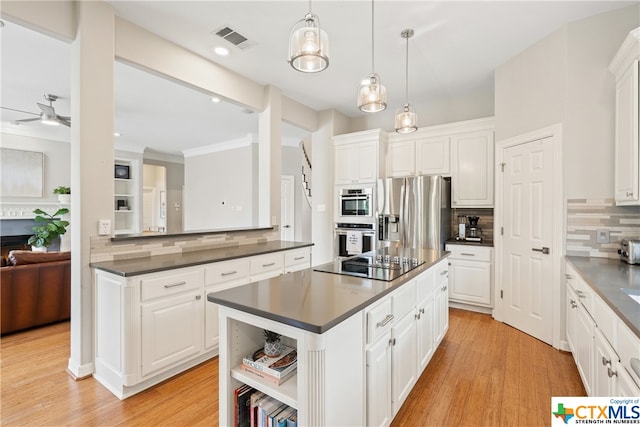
x,y
79,372
470,307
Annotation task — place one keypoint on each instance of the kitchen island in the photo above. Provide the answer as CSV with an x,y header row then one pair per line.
x,y
361,343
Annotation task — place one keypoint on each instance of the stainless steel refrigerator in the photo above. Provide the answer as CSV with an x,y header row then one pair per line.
x,y
414,212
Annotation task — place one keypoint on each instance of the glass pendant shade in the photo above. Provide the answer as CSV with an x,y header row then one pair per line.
x,y
308,45
372,96
406,119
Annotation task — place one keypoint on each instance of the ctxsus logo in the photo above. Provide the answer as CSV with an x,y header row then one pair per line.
x,y
600,410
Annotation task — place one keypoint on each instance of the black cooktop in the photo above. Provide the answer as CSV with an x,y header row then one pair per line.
x,y
384,264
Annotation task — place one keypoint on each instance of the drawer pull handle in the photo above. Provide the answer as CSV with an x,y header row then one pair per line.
x,y
611,373
173,285
198,297
269,265
417,316
568,276
298,258
229,273
443,272
385,321
605,362
581,294
467,254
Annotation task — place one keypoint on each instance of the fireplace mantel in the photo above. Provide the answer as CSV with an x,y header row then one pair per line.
x,y
24,210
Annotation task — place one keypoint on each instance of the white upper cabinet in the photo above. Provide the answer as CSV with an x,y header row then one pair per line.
x,y
357,157
432,156
401,159
627,154
472,169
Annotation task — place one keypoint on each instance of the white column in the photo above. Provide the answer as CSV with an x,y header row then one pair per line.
x,y
92,112
270,158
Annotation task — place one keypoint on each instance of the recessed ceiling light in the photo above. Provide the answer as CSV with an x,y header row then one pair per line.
x,y
116,134
215,99
221,50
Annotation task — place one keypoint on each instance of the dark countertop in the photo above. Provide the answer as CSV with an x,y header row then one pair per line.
x,y
313,300
485,242
152,264
608,278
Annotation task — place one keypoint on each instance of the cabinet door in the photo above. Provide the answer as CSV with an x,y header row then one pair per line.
x,y
470,281
345,162
401,159
171,330
627,175
424,332
403,359
625,386
605,362
367,161
472,169
572,315
379,382
432,156
584,348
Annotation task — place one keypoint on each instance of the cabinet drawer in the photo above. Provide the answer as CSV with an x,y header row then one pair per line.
x,y
227,271
470,253
403,300
379,320
268,262
424,285
605,319
628,347
297,259
170,284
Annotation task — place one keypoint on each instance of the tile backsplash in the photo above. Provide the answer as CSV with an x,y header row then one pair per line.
x,y
485,222
586,216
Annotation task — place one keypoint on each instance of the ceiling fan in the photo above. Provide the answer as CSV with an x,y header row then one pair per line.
x,y
47,115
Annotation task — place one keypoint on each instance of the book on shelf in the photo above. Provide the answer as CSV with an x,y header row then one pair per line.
x,y
275,366
253,407
266,377
272,416
292,421
266,406
282,417
241,404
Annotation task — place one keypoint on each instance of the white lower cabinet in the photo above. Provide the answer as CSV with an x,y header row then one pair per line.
x,y
171,330
152,326
602,346
470,280
396,357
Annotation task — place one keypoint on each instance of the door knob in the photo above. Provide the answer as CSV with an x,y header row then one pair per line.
x,y
544,250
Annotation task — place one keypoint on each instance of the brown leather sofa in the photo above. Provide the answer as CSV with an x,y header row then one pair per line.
x,y
35,290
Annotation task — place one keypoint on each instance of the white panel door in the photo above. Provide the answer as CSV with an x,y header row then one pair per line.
x,y
527,268
287,205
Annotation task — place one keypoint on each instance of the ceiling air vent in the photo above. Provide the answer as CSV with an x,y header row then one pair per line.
x,y
233,37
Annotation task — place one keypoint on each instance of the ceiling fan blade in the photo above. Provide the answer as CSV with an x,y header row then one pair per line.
x,y
19,111
46,109
17,122
65,122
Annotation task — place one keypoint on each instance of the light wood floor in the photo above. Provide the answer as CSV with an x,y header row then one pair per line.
x,y
484,374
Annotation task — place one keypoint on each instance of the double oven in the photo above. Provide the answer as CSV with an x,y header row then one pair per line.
x,y
355,220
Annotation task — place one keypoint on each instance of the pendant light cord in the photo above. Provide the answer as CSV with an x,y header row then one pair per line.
x,y
406,85
372,41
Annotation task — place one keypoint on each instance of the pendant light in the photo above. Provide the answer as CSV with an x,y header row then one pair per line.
x,y
308,45
372,96
406,117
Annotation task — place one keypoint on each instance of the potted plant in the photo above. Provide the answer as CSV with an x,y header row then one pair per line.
x,y
64,194
51,229
272,344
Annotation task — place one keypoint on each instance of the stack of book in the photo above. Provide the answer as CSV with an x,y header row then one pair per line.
x,y
275,370
256,409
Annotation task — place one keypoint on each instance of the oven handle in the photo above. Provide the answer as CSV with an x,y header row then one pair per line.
x,y
364,233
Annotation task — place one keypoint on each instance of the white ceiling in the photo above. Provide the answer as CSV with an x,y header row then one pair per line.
x,y
456,47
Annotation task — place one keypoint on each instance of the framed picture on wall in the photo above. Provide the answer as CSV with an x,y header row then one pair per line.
x,y
122,172
21,173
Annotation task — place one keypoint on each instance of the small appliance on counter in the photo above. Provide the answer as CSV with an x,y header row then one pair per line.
x,y
469,232
630,251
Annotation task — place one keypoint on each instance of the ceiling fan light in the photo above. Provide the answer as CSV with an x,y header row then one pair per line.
x,y
372,95
406,119
48,120
308,45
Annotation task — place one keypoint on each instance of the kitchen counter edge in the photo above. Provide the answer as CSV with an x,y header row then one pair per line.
x,y
592,271
156,263
298,322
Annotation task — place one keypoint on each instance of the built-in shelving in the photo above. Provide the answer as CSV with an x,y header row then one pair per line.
x,y
126,194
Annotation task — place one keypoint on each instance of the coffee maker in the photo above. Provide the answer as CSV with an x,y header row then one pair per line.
x,y
473,232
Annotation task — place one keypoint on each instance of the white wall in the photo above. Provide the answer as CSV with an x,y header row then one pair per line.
x,y
219,189
175,184
563,78
57,163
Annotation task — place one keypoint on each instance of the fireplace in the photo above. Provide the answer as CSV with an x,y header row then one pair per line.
x,y
9,243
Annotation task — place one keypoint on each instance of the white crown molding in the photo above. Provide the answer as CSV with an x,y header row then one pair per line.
x,y
221,146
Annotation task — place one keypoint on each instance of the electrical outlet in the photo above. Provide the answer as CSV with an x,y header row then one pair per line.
x,y
104,227
602,235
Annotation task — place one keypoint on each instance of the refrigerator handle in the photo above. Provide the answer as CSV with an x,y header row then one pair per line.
x,y
403,211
